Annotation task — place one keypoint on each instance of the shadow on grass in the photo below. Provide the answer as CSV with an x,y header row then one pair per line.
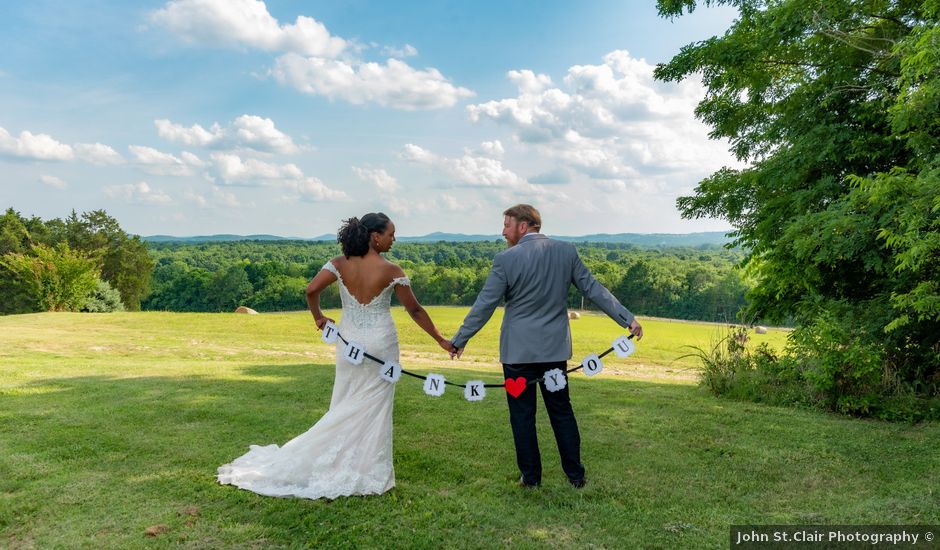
x,y
667,465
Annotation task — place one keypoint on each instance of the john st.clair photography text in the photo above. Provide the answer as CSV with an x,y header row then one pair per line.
x,y
834,536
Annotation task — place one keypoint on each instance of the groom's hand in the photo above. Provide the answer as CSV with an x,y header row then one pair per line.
x,y
636,330
455,351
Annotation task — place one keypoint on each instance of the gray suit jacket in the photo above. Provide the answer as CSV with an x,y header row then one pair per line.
x,y
533,277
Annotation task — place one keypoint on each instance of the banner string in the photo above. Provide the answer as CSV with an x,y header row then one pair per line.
x,y
449,383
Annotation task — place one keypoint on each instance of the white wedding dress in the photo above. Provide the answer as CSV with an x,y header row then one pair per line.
x,y
349,450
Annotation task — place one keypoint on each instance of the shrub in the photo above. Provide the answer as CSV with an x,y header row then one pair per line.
x,y
104,299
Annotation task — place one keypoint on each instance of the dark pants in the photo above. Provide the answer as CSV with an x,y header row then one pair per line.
x,y
522,419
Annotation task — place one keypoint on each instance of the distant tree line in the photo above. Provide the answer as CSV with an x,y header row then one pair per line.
x,y
81,263
686,283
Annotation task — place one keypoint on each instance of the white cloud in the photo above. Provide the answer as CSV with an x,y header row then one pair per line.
x,y
139,193
528,82
245,132
468,169
377,177
613,123
194,135
311,189
34,146
233,169
160,163
252,172
400,53
53,181
245,23
97,153
192,160
492,149
312,61
260,134
394,84
220,198
46,148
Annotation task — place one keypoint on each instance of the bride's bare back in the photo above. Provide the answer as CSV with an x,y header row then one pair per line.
x,y
365,277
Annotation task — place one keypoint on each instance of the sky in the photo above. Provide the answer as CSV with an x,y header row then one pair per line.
x,y
196,117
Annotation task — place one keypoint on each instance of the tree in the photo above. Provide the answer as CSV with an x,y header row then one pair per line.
x,y
834,105
49,279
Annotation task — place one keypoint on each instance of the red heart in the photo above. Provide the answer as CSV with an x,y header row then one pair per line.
x,y
515,387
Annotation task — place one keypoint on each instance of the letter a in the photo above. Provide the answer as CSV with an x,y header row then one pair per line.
x,y
390,372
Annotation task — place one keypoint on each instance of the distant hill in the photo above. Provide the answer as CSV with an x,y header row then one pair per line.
x,y
225,238
638,239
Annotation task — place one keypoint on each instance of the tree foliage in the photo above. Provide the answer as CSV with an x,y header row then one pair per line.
x,y
834,105
94,239
678,282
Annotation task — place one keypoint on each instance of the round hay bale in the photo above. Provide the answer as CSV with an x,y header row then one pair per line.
x,y
760,330
574,315
248,310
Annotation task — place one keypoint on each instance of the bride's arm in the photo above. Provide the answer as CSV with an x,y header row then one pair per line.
x,y
322,280
420,316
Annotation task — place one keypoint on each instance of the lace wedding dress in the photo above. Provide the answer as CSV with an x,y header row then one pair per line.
x,y
349,450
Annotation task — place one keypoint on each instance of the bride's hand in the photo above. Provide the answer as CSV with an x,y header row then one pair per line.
x,y
446,345
321,322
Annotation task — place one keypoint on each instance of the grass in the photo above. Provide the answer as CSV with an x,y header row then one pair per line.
x,y
111,424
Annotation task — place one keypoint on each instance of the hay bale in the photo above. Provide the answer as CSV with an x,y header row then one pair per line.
x,y
574,315
760,330
248,310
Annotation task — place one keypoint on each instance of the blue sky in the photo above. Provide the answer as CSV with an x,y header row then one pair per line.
x,y
193,117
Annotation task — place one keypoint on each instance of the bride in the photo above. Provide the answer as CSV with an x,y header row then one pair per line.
x,y
349,450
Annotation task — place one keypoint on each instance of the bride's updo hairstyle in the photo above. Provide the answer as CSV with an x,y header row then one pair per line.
x,y
354,234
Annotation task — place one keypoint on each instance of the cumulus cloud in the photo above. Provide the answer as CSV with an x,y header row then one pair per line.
x,y
377,177
528,82
611,122
233,170
46,148
219,198
53,181
34,146
245,132
245,24
394,84
492,149
97,153
311,60
164,164
195,135
468,169
139,193
400,53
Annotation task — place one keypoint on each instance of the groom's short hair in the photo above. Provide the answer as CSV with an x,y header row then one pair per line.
x,y
525,213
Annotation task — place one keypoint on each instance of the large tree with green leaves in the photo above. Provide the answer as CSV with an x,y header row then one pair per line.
x,y
834,106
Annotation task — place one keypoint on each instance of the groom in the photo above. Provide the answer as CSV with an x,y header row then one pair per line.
x,y
533,276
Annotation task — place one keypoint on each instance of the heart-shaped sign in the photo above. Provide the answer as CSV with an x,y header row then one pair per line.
x,y
515,387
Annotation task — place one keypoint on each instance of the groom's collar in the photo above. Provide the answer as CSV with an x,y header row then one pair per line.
x,y
531,236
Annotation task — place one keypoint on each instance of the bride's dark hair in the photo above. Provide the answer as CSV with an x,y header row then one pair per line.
x,y
353,235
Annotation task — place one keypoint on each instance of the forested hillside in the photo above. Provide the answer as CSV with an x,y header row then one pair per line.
x,y
687,283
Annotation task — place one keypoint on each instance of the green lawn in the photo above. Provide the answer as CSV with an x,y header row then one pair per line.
x,y
111,424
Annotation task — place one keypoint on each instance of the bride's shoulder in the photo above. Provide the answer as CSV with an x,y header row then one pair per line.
x,y
394,270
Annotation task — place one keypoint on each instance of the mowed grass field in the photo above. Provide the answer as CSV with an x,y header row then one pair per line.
x,y
113,424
